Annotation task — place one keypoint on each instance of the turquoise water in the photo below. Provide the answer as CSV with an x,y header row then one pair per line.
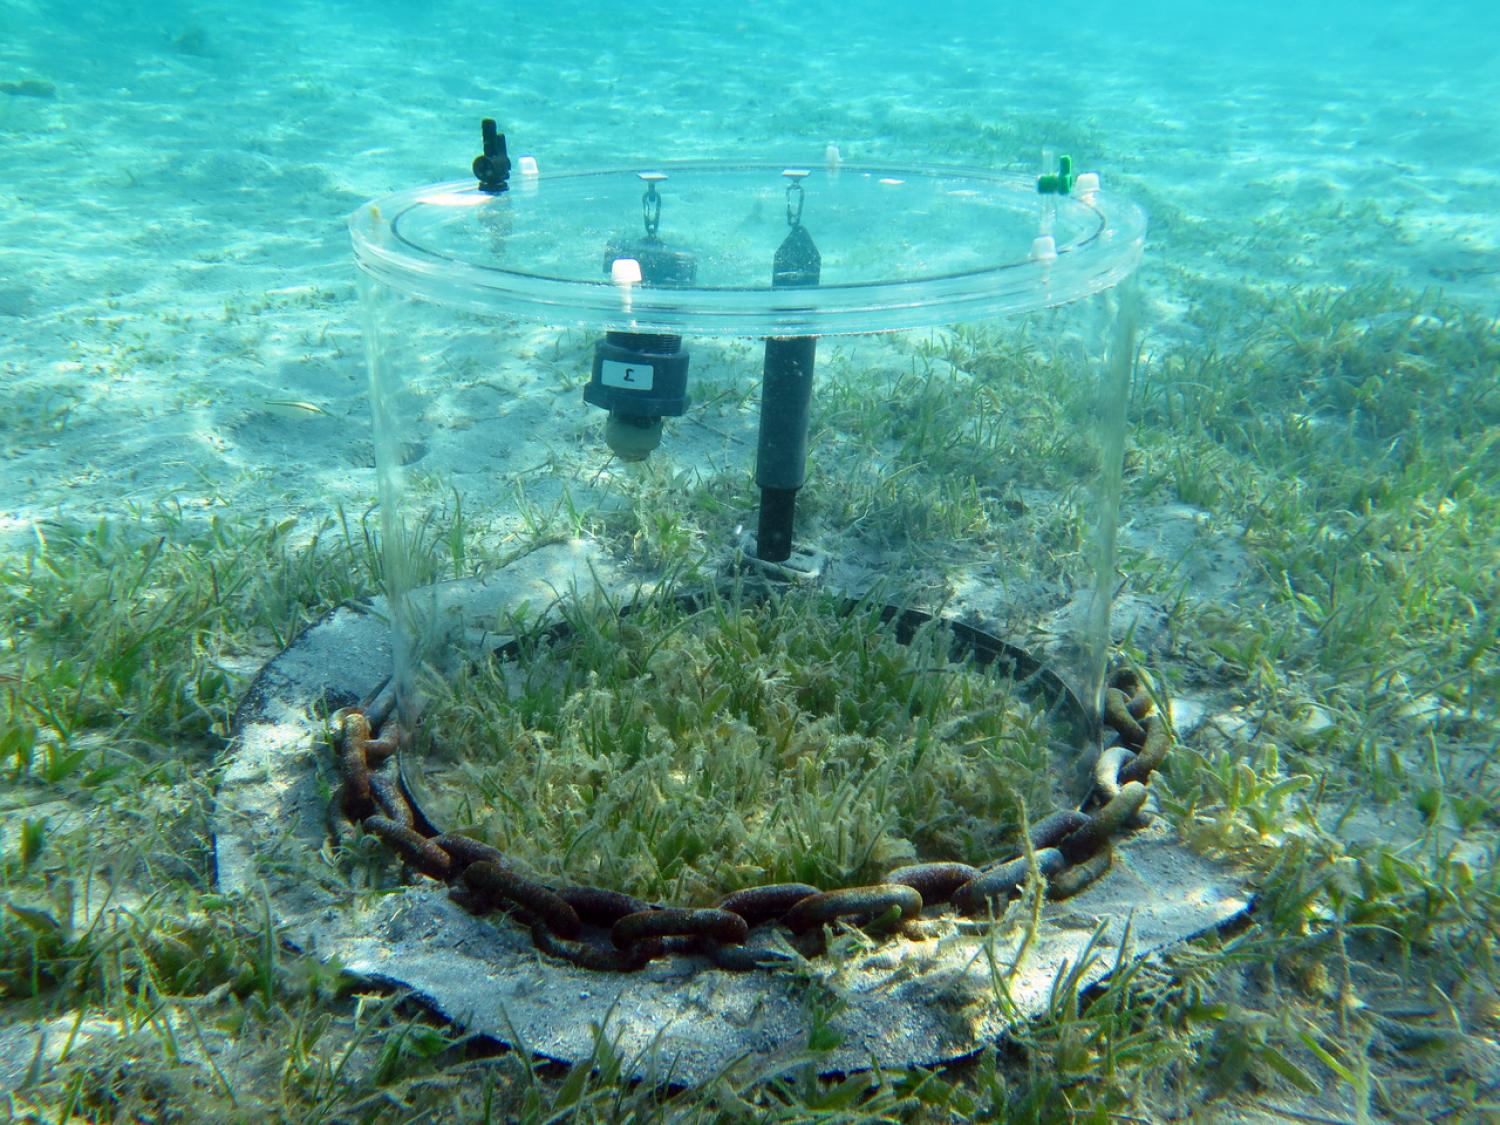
x,y
174,178
179,319
165,172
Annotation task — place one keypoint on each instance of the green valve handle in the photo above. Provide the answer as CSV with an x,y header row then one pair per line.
x,y
1059,182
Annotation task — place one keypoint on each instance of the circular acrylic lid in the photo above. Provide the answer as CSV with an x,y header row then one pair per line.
x,y
900,247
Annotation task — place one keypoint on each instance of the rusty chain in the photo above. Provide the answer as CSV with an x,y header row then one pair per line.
x,y
610,931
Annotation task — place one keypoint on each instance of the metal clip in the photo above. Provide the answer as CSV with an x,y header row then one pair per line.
x,y
651,202
794,195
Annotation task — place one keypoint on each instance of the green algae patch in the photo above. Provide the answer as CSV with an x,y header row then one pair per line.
x,y
683,751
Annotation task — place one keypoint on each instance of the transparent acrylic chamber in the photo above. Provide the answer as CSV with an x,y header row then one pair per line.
x,y
967,404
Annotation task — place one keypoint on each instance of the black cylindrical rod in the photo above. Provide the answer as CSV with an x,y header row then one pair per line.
x,y
781,460
785,397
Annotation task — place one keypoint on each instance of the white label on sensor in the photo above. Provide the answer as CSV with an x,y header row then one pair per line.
x,y
628,376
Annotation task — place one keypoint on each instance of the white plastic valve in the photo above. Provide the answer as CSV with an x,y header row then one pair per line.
x,y
625,272
1044,248
1086,183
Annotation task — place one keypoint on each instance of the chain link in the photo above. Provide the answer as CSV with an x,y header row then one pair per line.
x,y
1069,850
795,197
651,209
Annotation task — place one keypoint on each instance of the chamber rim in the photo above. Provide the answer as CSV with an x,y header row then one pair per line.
x,y
1108,249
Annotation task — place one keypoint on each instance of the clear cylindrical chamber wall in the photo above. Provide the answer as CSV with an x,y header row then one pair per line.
x,y
973,467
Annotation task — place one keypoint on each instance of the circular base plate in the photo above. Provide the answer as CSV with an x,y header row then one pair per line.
x,y
896,1003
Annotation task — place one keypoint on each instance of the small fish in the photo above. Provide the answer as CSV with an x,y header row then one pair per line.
x,y
29,88
291,406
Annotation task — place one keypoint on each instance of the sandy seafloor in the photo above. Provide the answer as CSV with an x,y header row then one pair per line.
x,y
174,259
172,209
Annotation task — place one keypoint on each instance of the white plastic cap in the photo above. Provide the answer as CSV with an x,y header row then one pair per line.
x,y
528,166
1043,249
625,271
1086,183
832,157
